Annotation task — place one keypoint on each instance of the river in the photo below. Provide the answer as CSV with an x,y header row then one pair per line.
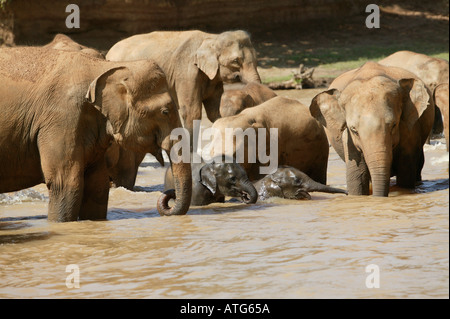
x,y
272,249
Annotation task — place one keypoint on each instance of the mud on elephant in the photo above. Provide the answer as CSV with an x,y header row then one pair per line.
x,y
60,112
377,118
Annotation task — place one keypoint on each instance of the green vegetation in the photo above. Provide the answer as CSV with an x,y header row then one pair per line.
x,y
3,3
344,58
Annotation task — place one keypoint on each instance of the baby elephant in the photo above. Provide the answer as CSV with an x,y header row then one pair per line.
x,y
291,183
238,96
212,182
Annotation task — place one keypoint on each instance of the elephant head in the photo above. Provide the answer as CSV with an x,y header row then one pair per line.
x,y
228,179
233,102
231,54
368,119
141,115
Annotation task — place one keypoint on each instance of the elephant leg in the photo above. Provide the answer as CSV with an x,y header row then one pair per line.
x,y
358,178
319,170
96,191
409,169
125,171
212,104
65,182
357,173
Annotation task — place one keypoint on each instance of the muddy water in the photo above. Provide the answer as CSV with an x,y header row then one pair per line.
x,y
273,249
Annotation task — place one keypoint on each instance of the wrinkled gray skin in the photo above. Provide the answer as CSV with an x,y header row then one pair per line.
x,y
239,96
291,183
61,110
196,65
212,182
377,118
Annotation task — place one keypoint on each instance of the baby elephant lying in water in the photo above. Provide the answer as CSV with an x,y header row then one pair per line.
x,y
291,183
212,182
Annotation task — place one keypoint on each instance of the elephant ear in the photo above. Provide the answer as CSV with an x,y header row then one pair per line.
x,y
440,95
415,100
206,58
208,178
248,101
326,110
118,91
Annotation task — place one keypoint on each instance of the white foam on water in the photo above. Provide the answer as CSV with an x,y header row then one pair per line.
x,y
23,196
441,159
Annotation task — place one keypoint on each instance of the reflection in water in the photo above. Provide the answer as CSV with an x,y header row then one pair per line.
x,y
274,249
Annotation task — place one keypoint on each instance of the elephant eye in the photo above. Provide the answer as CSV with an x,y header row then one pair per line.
x,y
394,126
354,131
165,111
236,61
233,179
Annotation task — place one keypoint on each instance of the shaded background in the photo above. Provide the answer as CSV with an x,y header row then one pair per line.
x,y
330,34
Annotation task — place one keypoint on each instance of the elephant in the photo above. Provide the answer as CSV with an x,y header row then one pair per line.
x,y
377,118
237,97
432,71
213,181
122,163
61,110
65,43
196,64
441,99
302,142
291,183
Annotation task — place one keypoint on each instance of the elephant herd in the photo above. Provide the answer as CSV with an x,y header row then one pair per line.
x,y
79,121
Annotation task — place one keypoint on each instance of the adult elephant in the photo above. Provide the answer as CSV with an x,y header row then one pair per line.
x,y
377,118
122,163
196,65
60,112
432,71
213,181
64,43
301,140
441,99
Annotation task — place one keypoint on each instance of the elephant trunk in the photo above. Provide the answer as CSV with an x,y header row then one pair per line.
x,y
313,186
182,180
379,165
249,193
250,74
